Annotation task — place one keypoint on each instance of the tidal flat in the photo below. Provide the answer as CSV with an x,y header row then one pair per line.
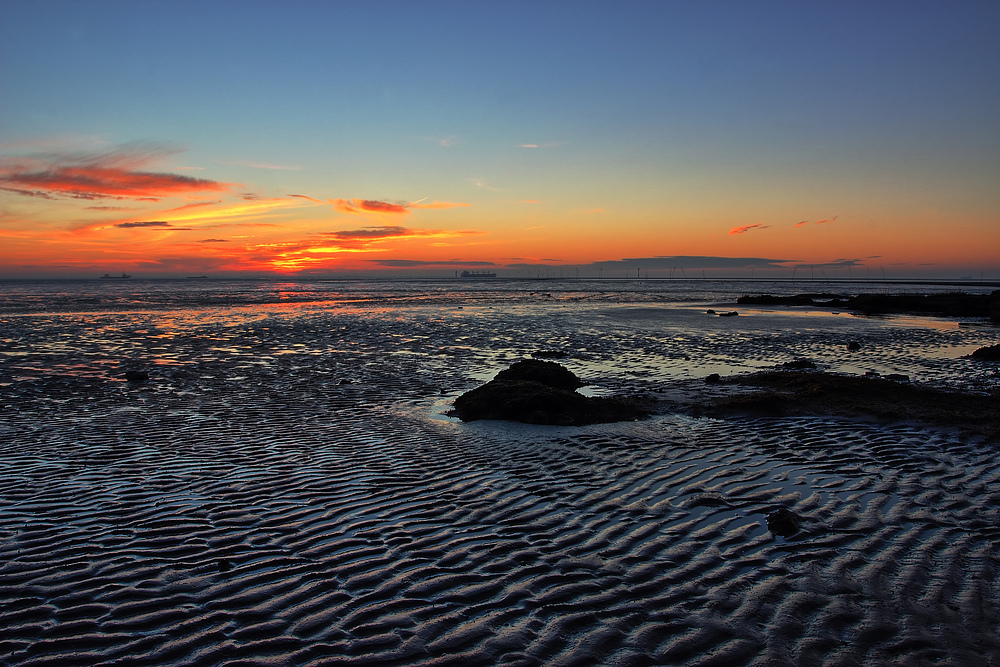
x,y
287,487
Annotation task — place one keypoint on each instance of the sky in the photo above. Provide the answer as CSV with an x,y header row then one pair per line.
x,y
668,139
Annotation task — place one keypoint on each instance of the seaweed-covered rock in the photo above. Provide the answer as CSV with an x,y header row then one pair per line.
x,y
541,392
988,353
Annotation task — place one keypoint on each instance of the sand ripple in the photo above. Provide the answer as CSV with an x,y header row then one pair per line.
x,y
402,541
285,518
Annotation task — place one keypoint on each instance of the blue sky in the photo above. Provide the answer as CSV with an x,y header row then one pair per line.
x,y
652,127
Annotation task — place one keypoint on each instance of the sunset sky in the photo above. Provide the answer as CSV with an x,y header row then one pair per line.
x,y
592,138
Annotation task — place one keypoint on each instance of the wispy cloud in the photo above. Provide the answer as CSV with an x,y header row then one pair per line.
x,y
746,228
438,205
548,144
367,235
115,174
28,193
213,241
818,222
199,204
370,233
309,198
479,183
157,224
449,141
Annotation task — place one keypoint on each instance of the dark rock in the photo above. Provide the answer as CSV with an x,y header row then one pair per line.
x,y
897,377
731,313
714,378
799,364
541,392
710,311
955,304
783,522
547,373
136,376
853,346
770,300
872,374
345,381
989,353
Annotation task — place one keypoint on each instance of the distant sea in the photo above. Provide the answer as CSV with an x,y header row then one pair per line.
x,y
62,296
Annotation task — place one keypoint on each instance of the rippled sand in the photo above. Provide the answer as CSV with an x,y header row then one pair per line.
x,y
286,490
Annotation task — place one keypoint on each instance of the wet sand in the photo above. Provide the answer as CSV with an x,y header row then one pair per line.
x,y
287,490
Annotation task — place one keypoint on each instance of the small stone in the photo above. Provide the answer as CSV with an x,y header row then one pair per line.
x,y
714,378
783,522
853,346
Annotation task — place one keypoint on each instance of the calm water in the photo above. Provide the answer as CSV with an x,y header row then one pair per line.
x,y
66,296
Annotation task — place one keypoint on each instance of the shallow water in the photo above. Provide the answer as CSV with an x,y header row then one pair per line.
x,y
286,488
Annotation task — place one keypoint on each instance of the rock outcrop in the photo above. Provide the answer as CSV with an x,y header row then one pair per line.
x,y
542,392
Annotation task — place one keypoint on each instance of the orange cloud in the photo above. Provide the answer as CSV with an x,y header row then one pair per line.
x,y
799,224
375,206
746,228
110,175
369,205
